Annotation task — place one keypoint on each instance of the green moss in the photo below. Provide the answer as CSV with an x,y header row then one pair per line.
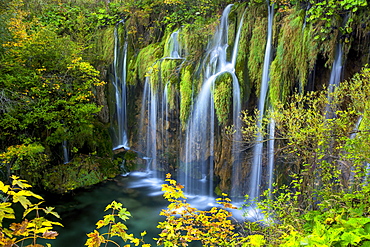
x,y
186,85
296,54
241,66
168,70
195,37
222,97
170,76
232,30
142,65
154,74
81,172
127,160
257,52
102,52
166,39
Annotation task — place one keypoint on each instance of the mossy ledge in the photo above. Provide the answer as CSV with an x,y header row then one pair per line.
x,y
82,171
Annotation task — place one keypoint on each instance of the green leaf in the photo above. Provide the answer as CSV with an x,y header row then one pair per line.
x,y
350,238
108,219
124,214
23,200
367,228
19,182
49,210
356,222
366,244
6,211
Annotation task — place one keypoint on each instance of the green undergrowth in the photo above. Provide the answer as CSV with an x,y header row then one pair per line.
x,y
82,171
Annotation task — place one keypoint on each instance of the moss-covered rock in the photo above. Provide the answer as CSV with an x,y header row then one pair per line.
x,y
126,158
186,91
140,66
222,97
296,54
257,52
82,171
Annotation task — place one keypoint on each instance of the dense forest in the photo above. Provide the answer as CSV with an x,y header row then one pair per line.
x,y
286,90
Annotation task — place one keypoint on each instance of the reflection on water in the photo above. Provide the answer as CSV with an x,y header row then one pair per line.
x,y
140,194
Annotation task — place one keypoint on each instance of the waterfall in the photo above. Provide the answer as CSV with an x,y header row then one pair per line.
x,y
271,152
305,17
65,152
335,78
199,144
196,174
255,179
336,70
119,83
237,185
154,122
148,127
174,48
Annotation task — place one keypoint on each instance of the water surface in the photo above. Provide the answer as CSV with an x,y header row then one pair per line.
x,y
140,194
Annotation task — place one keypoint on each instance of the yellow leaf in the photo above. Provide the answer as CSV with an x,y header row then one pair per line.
x,y
4,188
23,200
136,241
100,224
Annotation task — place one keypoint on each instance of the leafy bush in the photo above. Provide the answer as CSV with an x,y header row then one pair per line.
x,y
32,227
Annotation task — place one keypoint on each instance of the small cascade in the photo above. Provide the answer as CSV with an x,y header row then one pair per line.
x,y
119,83
256,173
196,174
335,78
65,152
270,155
336,71
148,127
174,47
305,17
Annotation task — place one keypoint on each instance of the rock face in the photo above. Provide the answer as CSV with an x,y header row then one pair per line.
x,y
162,90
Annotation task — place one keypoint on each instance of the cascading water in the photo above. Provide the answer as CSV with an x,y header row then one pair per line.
x,y
271,152
335,78
148,126
155,113
237,185
65,152
174,48
119,83
256,172
196,174
336,71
